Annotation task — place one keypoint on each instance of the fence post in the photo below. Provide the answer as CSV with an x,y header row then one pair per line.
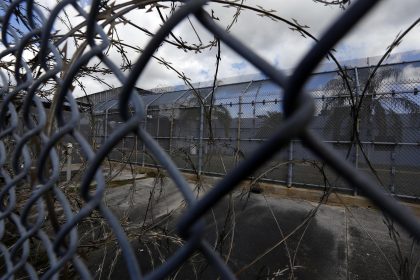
x,y
392,171
158,125
356,146
290,165
136,150
238,134
200,140
124,157
105,127
143,156
171,130
69,155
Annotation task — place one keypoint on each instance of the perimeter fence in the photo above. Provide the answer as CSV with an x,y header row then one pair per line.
x,y
213,133
41,219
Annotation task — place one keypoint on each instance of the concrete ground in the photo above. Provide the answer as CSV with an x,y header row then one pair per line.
x,y
337,242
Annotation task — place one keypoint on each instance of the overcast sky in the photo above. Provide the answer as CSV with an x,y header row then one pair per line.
x,y
272,40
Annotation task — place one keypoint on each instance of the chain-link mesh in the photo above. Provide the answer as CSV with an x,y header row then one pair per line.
x,y
246,114
267,135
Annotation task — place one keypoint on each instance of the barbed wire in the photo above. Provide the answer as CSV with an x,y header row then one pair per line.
x,y
31,159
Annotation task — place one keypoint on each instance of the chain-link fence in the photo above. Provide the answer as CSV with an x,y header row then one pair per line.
x,y
44,223
232,120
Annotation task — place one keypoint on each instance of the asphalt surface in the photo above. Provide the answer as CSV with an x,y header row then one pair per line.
x,y
334,243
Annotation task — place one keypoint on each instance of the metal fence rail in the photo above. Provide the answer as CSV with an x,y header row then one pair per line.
x,y
28,186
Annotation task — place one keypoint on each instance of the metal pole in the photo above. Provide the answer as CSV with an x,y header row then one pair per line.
x,y
124,155
290,165
238,136
136,150
157,126
106,126
392,171
171,130
356,148
69,154
254,117
143,156
200,140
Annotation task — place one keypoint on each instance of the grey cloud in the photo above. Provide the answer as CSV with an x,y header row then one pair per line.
x,y
274,41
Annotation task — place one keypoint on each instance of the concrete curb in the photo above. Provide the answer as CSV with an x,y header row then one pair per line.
x,y
281,191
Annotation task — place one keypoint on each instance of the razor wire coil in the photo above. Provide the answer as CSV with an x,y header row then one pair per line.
x,y
43,174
